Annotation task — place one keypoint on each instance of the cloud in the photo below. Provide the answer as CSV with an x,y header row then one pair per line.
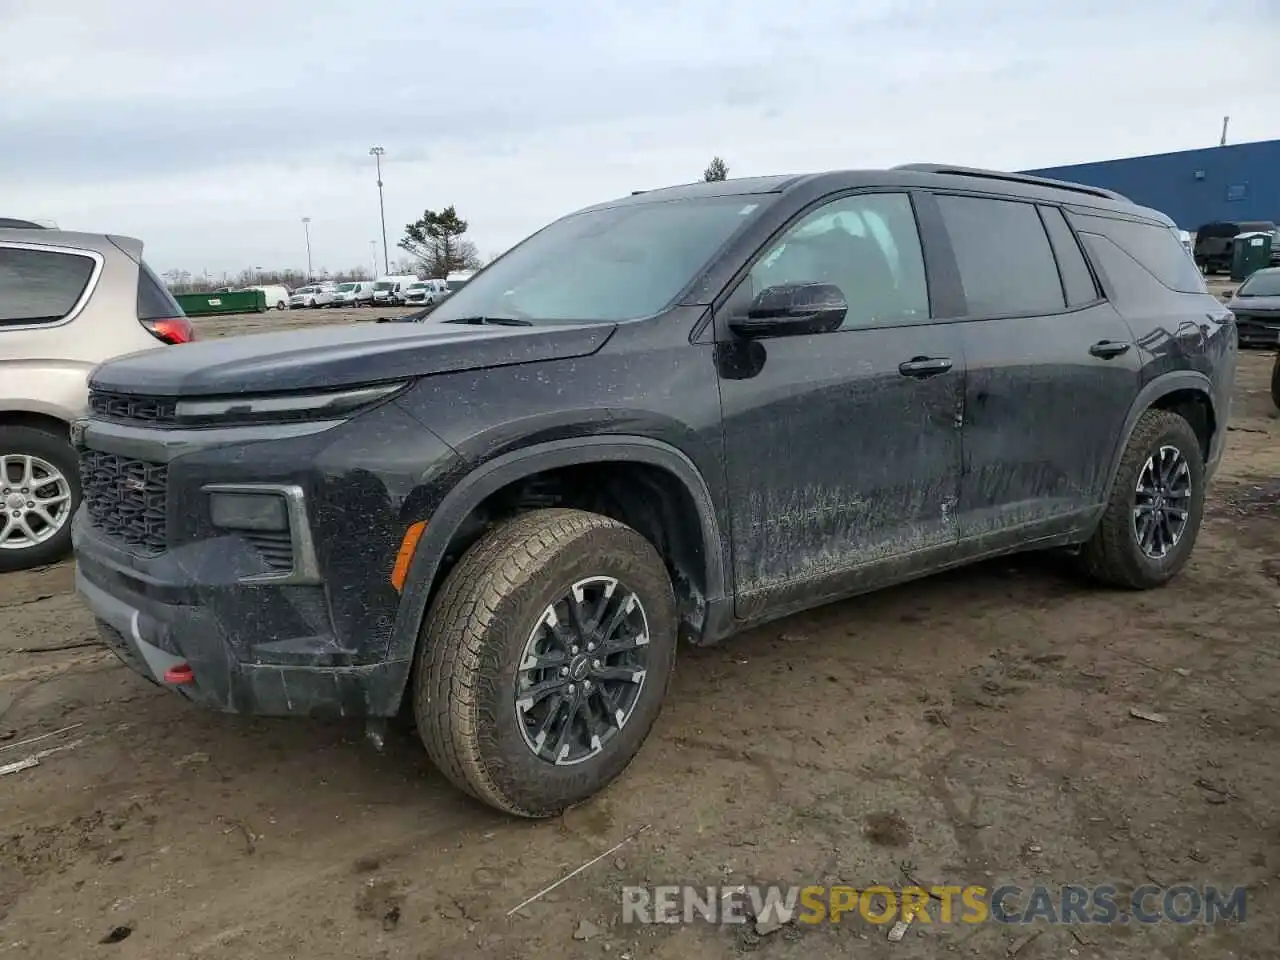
x,y
209,129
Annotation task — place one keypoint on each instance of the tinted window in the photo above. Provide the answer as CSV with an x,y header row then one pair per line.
x,y
1006,264
155,302
1076,278
606,264
1156,247
38,286
866,245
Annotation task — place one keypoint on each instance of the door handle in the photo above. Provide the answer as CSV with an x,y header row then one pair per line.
x,y
1106,349
921,367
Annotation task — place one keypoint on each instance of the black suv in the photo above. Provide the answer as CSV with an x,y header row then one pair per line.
x,y
680,413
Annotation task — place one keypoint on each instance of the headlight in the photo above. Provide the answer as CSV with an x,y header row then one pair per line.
x,y
272,408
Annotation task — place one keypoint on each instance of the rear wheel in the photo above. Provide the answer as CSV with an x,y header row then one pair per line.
x,y
39,493
544,660
1156,504
280,305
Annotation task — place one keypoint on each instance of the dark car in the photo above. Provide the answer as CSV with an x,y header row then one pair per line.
x,y
1256,305
1215,242
677,414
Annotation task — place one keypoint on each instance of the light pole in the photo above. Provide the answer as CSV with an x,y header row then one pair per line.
x,y
376,153
373,256
306,226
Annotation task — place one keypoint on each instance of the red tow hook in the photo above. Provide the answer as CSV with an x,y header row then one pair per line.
x,y
180,675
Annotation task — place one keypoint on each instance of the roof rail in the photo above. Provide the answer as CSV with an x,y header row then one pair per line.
x,y
949,170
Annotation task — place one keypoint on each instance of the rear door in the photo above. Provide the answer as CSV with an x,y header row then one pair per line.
x,y
1051,371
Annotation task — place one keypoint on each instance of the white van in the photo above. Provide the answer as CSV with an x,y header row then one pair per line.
x,y
314,296
425,292
389,291
277,295
356,293
456,281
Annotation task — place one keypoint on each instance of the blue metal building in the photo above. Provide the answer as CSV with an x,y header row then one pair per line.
x,y
1194,187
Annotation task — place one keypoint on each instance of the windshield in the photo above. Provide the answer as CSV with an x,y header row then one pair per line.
x,y
383,285
417,286
610,264
298,293
344,287
1261,285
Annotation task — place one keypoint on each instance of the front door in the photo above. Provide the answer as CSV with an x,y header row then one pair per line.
x,y
842,447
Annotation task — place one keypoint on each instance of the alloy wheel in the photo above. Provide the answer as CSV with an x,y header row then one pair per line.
x,y
36,501
1162,502
582,671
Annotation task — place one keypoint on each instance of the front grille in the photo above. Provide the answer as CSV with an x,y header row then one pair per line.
x,y
275,548
125,498
131,407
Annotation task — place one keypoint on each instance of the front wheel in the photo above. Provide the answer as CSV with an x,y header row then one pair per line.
x,y
1155,508
280,305
39,493
544,660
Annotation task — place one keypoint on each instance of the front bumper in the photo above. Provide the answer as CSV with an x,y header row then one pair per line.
x,y
158,620
1257,332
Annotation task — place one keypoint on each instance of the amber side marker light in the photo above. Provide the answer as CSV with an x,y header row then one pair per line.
x,y
400,572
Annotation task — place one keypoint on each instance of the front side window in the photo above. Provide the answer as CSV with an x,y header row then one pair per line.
x,y
41,286
1006,264
608,264
866,245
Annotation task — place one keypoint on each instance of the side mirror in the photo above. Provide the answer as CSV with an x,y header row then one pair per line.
x,y
792,309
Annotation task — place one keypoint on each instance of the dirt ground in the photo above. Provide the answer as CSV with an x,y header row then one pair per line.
x,y
984,716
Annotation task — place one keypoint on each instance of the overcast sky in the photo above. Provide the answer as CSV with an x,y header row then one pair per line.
x,y
209,129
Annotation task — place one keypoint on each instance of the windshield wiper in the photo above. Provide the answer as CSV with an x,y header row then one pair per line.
x,y
495,321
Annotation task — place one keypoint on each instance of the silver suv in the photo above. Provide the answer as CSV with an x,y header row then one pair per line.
x,y
68,301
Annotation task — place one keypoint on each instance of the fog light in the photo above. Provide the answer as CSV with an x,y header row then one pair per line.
x,y
248,511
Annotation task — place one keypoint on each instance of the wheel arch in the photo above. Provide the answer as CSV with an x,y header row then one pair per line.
x,y
448,519
1185,392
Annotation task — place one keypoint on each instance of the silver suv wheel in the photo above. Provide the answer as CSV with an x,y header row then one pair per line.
x,y
36,500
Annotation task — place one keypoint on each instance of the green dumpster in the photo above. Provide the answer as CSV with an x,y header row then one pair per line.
x,y
1250,252
209,304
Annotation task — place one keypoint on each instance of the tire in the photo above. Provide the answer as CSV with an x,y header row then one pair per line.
x,y
473,643
1113,554
1275,381
280,305
312,304
56,452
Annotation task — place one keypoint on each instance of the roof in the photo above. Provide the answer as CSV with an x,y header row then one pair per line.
x,y
919,175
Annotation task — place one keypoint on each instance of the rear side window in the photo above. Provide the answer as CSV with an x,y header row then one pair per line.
x,y
1077,281
1006,263
155,302
1155,246
41,286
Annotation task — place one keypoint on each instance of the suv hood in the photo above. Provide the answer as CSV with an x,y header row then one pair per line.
x,y
1255,304
333,357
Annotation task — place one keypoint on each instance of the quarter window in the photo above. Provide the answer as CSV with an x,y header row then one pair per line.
x,y
867,245
1155,246
40,286
1006,263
